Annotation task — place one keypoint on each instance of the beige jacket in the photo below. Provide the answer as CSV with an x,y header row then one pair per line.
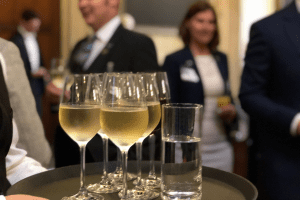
x,y
31,132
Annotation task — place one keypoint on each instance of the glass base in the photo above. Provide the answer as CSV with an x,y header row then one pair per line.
x,y
151,183
103,188
180,196
84,196
142,193
118,177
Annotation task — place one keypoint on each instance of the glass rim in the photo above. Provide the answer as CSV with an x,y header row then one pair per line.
x,y
182,105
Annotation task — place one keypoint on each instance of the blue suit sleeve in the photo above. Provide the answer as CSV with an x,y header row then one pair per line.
x,y
256,82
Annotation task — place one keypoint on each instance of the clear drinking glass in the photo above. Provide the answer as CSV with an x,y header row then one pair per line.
x,y
104,186
124,115
164,97
151,92
58,72
79,116
181,173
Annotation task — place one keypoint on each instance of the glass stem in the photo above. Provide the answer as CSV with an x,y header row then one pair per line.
x,y
82,168
124,166
119,162
105,157
152,155
139,161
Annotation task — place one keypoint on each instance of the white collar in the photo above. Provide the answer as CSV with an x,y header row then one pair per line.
x,y
25,33
298,5
106,32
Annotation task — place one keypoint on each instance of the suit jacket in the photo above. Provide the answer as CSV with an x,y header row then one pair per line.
x,y
32,137
190,91
37,84
5,131
270,91
126,51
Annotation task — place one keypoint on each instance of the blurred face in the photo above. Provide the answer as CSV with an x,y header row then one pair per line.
x,y
202,27
94,12
32,25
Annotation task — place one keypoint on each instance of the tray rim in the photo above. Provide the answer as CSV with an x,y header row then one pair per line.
x,y
240,183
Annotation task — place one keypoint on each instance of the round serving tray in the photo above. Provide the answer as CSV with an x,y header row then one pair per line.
x,y
60,182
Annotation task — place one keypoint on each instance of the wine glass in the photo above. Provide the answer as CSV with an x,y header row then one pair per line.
x,y
124,115
154,110
58,72
79,116
164,97
104,186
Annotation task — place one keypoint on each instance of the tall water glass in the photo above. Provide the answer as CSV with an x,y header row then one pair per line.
x,y
124,115
79,116
181,173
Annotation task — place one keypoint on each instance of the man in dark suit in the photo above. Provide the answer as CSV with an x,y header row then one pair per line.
x,y
270,94
111,49
26,41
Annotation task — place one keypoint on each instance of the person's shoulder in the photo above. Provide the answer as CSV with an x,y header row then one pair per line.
x,y
219,53
6,45
16,37
80,42
135,37
272,21
184,52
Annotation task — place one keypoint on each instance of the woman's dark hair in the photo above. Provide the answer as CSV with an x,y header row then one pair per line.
x,y
195,8
29,14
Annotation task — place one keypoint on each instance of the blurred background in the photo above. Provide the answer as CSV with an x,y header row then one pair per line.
x,y
63,26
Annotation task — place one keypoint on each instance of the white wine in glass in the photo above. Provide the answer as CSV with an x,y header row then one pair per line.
x,y
79,116
124,115
80,122
105,185
154,111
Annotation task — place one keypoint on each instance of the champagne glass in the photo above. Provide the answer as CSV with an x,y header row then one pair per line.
x,y
104,186
124,115
58,72
79,116
154,110
164,97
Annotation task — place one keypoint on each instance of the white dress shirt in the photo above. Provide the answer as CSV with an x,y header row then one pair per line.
x,y
103,35
32,48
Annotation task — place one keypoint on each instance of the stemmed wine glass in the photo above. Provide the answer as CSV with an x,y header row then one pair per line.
x,y
154,110
104,186
164,97
124,115
79,116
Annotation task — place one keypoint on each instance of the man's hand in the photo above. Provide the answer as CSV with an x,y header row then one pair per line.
x,y
227,113
53,93
23,197
41,73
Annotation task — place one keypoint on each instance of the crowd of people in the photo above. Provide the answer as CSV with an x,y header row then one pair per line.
x,y
198,73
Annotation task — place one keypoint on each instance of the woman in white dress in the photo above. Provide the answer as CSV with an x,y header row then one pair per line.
x,y
199,74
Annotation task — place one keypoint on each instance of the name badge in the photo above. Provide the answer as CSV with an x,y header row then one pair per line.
x,y
188,74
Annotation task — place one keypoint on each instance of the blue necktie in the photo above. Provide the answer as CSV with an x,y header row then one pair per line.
x,y
84,51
